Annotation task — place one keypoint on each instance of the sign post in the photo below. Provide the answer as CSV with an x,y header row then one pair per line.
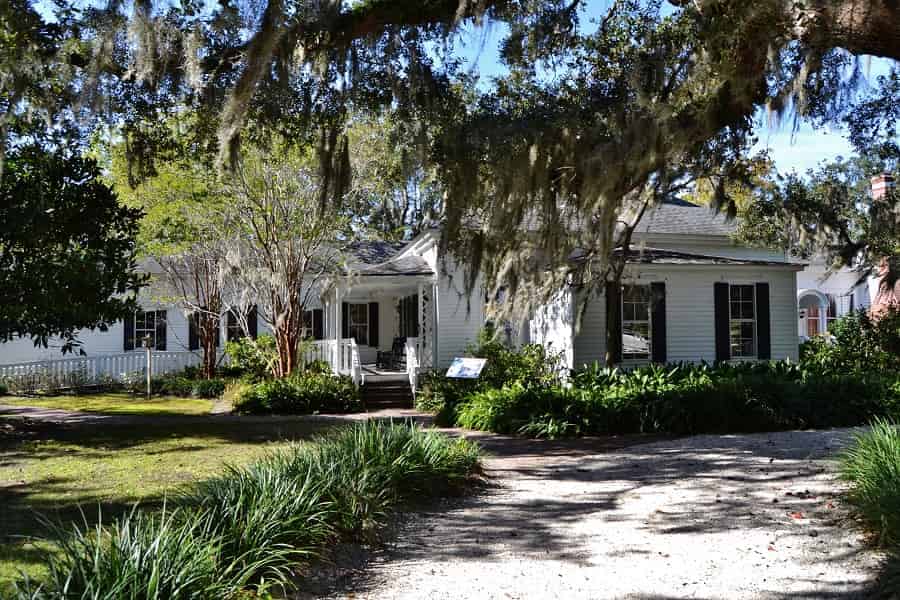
x,y
147,346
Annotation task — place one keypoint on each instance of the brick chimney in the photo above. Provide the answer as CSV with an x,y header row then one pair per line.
x,y
881,184
888,294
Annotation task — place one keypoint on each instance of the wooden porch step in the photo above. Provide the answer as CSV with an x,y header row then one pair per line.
x,y
387,393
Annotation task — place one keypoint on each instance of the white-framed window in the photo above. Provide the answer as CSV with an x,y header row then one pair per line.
x,y
636,339
742,320
150,324
358,321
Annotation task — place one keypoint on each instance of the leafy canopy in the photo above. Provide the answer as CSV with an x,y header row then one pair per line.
x,y
67,248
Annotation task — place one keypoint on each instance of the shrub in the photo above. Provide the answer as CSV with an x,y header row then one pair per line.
x,y
530,365
300,394
208,388
250,527
3,389
682,399
250,358
856,343
317,366
872,466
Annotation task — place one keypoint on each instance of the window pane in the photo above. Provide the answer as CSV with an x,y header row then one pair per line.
x,y
637,294
747,330
359,313
749,348
747,310
641,312
636,339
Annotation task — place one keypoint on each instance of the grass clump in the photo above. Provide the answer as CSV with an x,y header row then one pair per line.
x,y
872,467
249,528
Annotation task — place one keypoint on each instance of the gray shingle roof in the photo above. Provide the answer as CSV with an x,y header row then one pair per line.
x,y
676,216
407,265
371,252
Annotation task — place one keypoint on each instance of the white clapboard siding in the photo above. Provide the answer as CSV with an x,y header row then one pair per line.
x,y
690,308
458,321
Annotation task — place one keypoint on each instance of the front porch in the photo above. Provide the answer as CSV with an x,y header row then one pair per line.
x,y
379,326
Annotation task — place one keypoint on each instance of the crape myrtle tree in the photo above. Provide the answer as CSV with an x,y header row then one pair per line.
x,y
67,247
281,247
180,231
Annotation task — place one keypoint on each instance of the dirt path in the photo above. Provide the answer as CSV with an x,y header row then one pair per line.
x,y
744,516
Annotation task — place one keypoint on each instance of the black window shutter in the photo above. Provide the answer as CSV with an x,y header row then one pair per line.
x,y
763,322
160,330
128,343
194,331
318,324
658,321
614,315
373,324
345,320
723,336
251,322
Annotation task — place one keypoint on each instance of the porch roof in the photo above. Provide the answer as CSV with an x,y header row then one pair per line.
x,y
662,256
403,266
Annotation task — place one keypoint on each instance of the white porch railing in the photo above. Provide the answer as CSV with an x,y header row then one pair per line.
x,y
341,355
412,362
86,370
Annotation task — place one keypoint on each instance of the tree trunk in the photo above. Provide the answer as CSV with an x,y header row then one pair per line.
x,y
613,324
208,326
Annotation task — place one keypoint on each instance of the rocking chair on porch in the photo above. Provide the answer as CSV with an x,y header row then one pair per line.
x,y
393,359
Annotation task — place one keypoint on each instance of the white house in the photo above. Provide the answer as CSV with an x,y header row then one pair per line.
x,y
689,294
825,293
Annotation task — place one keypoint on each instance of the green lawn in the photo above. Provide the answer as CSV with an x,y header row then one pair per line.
x,y
55,470
116,403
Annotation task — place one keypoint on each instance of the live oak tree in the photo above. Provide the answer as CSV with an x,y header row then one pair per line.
x,y
67,248
584,124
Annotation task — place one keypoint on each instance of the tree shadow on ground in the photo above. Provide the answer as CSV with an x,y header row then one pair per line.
x,y
774,487
69,497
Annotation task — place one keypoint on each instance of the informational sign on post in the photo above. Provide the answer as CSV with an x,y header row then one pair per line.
x,y
466,368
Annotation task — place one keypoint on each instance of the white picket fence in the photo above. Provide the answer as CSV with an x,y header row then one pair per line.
x,y
86,370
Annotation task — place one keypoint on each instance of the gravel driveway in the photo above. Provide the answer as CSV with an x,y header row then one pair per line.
x,y
739,516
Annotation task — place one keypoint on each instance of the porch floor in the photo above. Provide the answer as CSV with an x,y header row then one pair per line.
x,y
372,369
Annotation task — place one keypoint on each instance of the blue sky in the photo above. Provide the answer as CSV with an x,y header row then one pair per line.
x,y
792,150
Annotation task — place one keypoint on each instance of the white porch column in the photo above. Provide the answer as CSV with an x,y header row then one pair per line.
x,y
432,359
420,349
338,320
823,316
